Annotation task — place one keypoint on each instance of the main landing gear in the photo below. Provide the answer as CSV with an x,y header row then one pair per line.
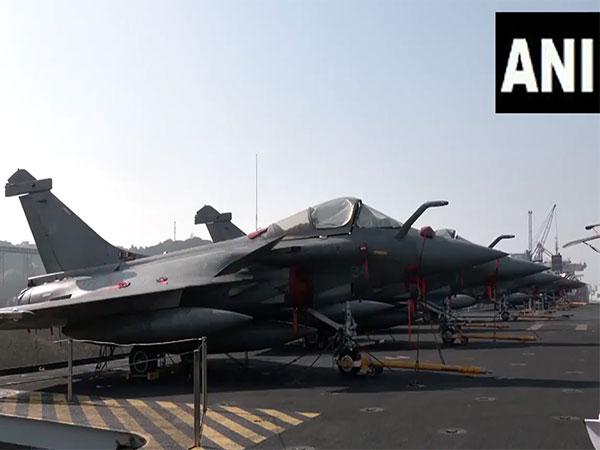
x,y
143,360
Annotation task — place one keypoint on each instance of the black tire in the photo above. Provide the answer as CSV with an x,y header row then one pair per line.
x,y
376,371
142,360
505,315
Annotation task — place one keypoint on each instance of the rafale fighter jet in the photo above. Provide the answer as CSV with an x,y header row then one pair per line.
x,y
387,307
519,291
230,291
490,273
507,268
445,291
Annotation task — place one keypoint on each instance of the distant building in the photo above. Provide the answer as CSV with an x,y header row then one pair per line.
x,y
17,263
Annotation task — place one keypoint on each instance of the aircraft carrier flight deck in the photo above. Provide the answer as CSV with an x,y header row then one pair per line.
x,y
535,394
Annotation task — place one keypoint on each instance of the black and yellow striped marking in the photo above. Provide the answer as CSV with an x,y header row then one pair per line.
x,y
164,424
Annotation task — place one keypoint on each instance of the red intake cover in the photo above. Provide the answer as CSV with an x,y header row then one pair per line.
x,y
300,289
427,232
257,233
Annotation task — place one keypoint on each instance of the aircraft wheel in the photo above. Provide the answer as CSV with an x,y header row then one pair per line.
x,y
345,362
376,371
448,337
142,360
505,315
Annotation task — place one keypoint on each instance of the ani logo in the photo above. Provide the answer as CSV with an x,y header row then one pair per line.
x,y
548,62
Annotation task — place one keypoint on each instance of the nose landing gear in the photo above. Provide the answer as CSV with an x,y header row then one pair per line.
x,y
347,356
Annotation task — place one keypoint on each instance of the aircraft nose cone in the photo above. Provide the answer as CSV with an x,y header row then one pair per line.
x,y
445,255
570,284
511,268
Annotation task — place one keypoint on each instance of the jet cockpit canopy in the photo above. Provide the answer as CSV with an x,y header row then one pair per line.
x,y
335,216
369,217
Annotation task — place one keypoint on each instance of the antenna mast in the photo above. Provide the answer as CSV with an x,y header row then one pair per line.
x,y
530,247
556,233
256,192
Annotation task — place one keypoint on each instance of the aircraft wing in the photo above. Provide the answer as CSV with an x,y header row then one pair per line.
x,y
119,294
137,297
581,241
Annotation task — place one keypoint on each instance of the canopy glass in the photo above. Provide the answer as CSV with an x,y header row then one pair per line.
x,y
331,217
369,217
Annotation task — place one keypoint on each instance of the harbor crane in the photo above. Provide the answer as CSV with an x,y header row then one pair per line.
x,y
538,252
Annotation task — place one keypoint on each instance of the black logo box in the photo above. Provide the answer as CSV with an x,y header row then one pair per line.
x,y
535,26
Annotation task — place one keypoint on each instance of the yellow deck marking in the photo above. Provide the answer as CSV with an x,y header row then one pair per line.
x,y
181,438
220,439
310,415
254,419
236,427
63,409
9,406
35,405
281,416
91,413
129,422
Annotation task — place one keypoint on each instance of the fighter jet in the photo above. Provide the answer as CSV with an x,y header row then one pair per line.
x,y
533,282
518,292
95,291
231,291
480,282
461,289
490,273
385,304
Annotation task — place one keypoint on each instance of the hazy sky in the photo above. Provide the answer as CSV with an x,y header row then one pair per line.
x,y
142,112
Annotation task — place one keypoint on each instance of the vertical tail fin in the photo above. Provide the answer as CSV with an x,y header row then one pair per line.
x,y
64,241
219,224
